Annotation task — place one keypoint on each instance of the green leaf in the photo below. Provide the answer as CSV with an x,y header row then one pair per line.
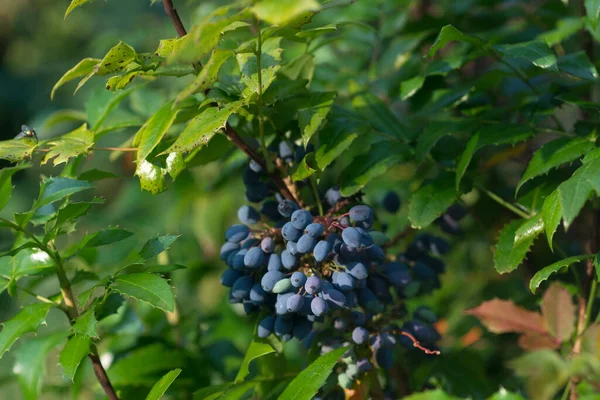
x,y
141,365
84,67
436,130
55,189
411,86
157,245
175,164
545,272
504,394
100,105
465,158
305,169
575,191
530,230
70,145
381,117
306,384
203,127
16,150
105,237
270,60
431,200
93,175
280,12
337,135
536,52
592,11
72,211
30,362
31,262
578,65
313,117
85,324
152,177
160,387
508,255
74,4
76,349
115,60
437,394
545,382
257,349
565,28
367,166
149,288
554,154
207,76
6,182
28,320
551,215
450,34
152,132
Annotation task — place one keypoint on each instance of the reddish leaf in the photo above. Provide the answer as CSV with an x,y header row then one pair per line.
x,y
535,341
559,312
501,316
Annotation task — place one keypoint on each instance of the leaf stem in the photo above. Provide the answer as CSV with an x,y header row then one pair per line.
x,y
37,296
315,189
259,103
503,202
590,302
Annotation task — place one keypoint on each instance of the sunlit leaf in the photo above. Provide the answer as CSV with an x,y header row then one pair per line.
x,y
84,67
508,254
152,132
501,316
70,145
16,150
207,76
163,384
431,200
148,288
257,349
545,272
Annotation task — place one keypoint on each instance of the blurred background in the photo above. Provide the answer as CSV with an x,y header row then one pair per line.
x,y
207,337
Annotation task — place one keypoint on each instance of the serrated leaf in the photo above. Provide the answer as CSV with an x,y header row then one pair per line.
x,y
157,245
203,127
55,189
551,215
248,63
431,200
105,237
592,11
436,130
207,76
28,320
257,349
450,34
76,349
536,52
16,150
530,230
545,272
152,177
299,69
85,324
83,67
554,154
310,119
152,132
367,166
508,255
31,261
575,191
70,145
578,65
280,12
501,316
163,384
73,211
115,60
558,311
120,82
149,288
306,384
381,117
30,362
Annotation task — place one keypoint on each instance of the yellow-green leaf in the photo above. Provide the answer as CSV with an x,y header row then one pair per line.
x,y
84,67
70,145
279,12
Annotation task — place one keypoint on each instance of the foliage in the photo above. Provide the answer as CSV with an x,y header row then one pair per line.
x,y
482,115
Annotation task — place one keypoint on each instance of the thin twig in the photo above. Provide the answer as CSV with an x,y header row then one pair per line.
x,y
503,202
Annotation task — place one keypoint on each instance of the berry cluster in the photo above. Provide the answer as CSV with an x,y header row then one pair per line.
x,y
328,279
